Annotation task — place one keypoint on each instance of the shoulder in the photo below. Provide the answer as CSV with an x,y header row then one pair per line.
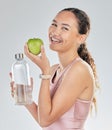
x,y
81,79
81,69
82,66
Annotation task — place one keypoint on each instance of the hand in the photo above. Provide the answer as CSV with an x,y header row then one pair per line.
x,y
12,85
41,61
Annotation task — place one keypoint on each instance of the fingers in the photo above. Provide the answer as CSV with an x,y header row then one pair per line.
x,y
12,88
10,74
42,50
11,85
43,54
40,60
26,49
31,79
31,56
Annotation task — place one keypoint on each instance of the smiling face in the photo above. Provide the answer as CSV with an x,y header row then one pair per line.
x,y
63,32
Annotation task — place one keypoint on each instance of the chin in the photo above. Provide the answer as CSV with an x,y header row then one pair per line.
x,y
54,48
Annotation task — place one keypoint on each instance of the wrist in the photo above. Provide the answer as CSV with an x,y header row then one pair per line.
x,y
45,76
46,72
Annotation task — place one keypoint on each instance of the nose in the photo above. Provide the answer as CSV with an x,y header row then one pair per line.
x,y
56,32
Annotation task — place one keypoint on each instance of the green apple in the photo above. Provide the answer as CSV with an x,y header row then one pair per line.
x,y
34,45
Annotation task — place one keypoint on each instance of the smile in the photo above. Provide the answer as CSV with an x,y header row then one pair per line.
x,y
55,40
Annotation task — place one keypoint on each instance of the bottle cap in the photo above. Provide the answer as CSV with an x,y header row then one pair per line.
x,y
19,56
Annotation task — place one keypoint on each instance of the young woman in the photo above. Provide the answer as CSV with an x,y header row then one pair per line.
x,y
67,89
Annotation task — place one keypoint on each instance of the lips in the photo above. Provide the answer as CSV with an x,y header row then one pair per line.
x,y
55,40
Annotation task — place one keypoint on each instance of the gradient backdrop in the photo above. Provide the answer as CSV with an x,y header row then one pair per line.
x,y
23,19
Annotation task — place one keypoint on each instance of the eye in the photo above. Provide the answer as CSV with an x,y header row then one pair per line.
x,y
54,24
65,28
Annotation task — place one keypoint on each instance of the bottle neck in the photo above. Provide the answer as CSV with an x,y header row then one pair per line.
x,y
19,56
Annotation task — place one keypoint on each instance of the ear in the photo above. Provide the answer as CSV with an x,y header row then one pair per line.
x,y
82,38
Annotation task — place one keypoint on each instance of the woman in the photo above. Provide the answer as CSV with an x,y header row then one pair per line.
x,y
67,89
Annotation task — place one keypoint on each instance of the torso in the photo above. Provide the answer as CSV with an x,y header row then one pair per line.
x,y
75,117
88,92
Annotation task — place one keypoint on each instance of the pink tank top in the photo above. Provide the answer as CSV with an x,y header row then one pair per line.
x,y
75,117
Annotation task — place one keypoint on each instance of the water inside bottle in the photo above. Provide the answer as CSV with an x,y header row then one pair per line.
x,y
23,94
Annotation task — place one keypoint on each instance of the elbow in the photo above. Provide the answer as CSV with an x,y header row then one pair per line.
x,y
45,122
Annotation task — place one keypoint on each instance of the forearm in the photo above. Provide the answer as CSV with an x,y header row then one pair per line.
x,y
44,102
33,109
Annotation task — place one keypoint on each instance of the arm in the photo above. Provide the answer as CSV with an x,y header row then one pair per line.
x,y
73,84
33,109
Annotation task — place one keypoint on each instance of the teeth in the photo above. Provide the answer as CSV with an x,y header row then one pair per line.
x,y
54,39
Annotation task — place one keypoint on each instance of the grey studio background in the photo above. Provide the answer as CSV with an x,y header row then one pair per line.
x,y
23,19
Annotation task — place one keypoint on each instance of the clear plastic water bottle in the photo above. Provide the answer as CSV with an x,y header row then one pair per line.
x,y
21,78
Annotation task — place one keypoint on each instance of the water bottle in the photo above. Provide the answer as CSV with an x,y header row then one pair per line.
x,y
21,78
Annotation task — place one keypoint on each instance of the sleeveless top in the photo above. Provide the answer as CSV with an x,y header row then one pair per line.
x,y
75,117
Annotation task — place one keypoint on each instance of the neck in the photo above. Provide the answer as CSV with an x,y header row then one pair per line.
x,y
67,58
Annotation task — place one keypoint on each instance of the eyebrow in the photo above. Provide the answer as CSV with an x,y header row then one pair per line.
x,y
62,23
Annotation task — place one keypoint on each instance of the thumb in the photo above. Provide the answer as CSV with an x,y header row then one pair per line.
x,y
43,51
10,74
31,80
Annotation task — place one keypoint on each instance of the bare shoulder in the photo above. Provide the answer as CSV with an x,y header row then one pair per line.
x,y
82,67
83,72
84,77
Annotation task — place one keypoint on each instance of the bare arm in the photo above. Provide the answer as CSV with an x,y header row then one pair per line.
x,y
73,84
33,109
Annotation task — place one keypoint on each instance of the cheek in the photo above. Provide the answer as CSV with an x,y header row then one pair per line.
x,y
69,38
71,41
49,30
74,38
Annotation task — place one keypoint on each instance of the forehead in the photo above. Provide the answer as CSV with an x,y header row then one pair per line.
x,y
66,17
